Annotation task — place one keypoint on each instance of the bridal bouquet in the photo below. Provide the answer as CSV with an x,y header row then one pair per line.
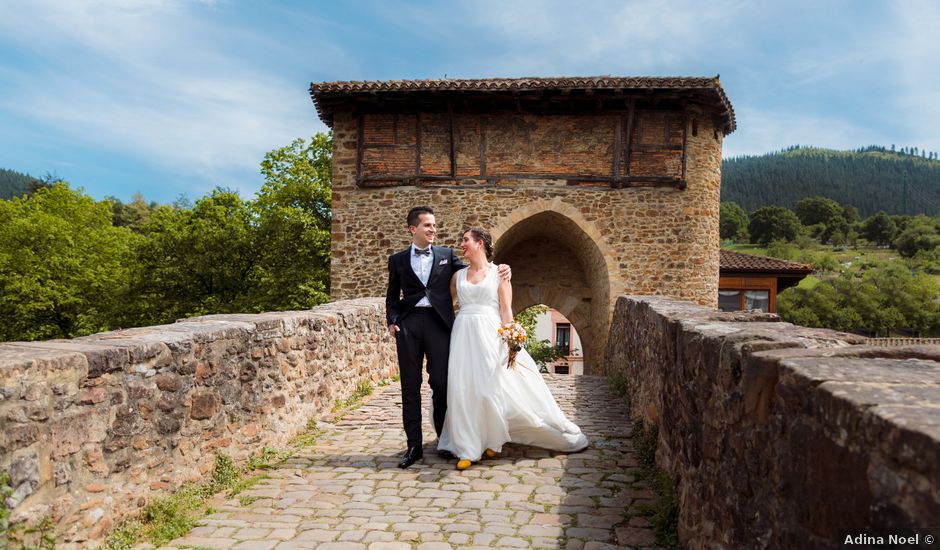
x,y
514,336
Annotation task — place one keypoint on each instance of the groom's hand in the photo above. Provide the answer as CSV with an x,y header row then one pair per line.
x,y
504,272
393,329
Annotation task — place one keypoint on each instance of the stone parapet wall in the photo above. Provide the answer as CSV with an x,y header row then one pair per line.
x,y
780,436
903,341
93,427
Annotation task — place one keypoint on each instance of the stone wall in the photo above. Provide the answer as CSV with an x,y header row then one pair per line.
x,y
903,341
780,436
590,243
93,427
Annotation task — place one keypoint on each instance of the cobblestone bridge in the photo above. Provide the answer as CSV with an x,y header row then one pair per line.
x,y
345,492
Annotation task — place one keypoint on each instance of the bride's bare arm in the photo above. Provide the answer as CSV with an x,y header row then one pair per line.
x,y
453,290
505,301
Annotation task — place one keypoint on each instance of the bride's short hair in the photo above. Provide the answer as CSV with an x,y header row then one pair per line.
x,y
480,234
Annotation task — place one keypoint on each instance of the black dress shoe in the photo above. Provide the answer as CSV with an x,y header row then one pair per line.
x,y
445,454
412,455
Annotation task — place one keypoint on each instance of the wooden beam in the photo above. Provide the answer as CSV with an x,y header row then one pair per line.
x,y
647,147
618,129
360,131
685,135
628,145
418,144
453,143
670,180
387,146
482,146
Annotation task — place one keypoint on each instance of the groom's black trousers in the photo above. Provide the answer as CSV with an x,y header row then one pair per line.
x,y
423,334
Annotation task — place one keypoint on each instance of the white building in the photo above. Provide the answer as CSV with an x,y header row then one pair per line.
x,y
557,329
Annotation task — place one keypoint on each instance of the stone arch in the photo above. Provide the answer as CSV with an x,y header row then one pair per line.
x,y
560,259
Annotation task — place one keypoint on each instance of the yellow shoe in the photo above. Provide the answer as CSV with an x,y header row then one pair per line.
x,y
490,453
463,464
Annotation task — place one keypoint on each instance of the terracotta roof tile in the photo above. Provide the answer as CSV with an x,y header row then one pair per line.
x,y
732,261
711,84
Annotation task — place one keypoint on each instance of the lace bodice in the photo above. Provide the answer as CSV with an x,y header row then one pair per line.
x,y
478,298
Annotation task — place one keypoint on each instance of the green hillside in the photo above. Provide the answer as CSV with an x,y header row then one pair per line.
x,y
14,184
871,179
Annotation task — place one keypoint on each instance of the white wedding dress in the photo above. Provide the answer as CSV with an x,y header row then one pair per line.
x,y
488,404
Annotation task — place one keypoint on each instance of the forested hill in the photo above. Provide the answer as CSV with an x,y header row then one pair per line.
x,y
14,184
871,179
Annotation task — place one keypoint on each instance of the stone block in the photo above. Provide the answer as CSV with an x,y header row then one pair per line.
x,y
203,406
71,432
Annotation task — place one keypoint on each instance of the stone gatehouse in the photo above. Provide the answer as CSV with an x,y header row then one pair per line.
x,y
593,188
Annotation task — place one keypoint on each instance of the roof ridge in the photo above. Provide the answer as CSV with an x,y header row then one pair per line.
x,y
342,87
756,261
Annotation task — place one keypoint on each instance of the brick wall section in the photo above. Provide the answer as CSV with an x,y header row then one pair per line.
x,y
780,436
93,427
646,240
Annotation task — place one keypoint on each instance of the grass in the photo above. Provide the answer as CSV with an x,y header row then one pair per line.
x,y
355,400
663,514
619,384
172,516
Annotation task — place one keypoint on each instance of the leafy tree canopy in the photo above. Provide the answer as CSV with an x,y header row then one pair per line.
x,y
919,234
879,229
772,223
732,222
71,266
63,265
817,210
879,300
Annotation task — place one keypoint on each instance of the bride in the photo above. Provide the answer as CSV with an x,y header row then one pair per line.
x,y
489,404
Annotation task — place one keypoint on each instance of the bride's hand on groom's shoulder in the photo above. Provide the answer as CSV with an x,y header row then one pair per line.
x,y
505,272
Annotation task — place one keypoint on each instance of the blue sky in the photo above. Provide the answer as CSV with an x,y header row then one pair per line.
x,y
170,97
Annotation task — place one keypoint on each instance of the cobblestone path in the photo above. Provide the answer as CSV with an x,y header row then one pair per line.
x,y
346,492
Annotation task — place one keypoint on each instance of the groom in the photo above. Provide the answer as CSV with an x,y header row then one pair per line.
x,y
420,315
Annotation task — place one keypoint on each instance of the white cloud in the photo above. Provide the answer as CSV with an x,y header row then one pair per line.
x,y
915,48
154,81
762,131
558,37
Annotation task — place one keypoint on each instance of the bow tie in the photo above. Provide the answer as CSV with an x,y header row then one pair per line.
x,y
425,252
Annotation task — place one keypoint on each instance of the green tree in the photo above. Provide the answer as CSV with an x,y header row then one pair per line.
x,y
772,223
878,300
293,211
813,210
542,351
226,254
732,221
133,214
850,214
926,261
919,234
63,266
15,184
195,262
879,229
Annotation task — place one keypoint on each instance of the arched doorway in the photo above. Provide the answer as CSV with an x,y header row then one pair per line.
x,y
557,263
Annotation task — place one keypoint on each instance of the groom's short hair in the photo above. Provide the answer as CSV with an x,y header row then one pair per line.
x,y
414,215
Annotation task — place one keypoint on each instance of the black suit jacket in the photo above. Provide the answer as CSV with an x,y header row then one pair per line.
x,y
405,288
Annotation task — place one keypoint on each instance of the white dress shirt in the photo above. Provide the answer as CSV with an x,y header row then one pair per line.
x,y
421,265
